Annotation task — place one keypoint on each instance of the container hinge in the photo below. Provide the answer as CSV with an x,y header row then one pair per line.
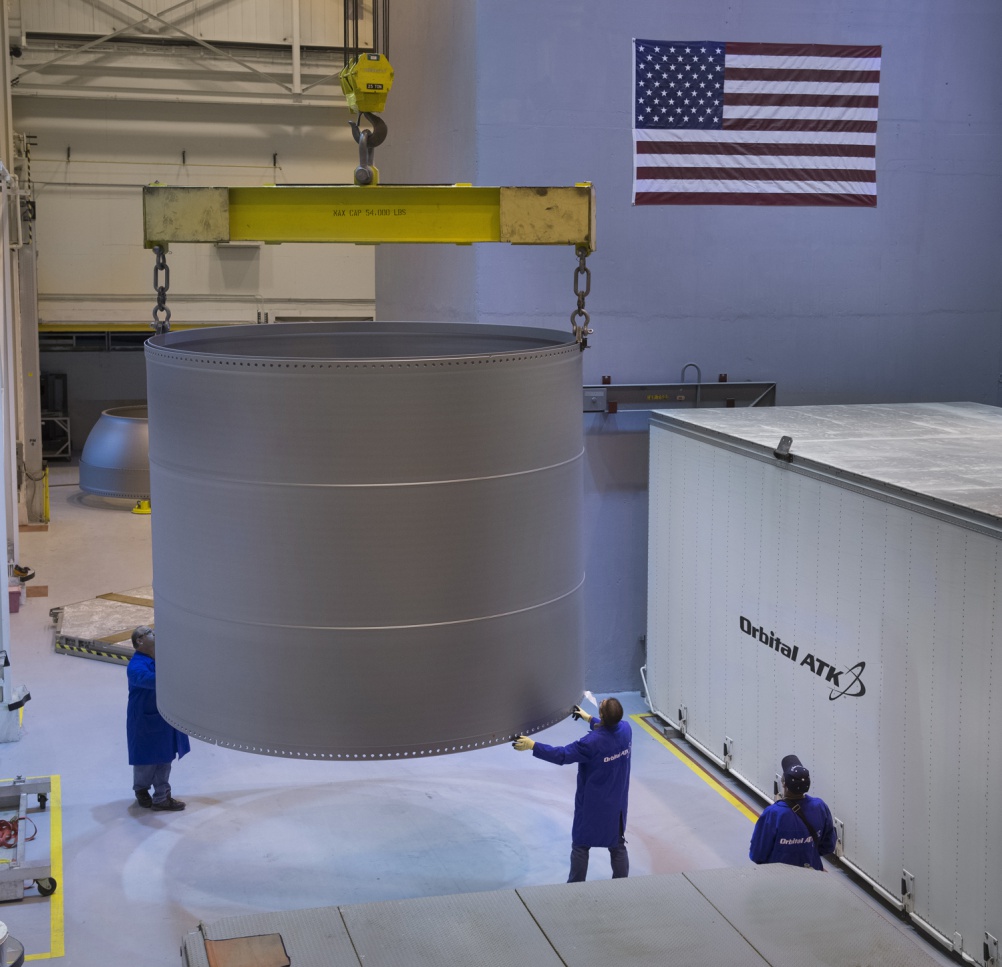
x,y
683,719
991,950
908,891
839,837
728,751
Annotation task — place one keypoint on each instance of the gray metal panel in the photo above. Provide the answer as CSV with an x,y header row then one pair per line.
x,y
778,915
313,938
950,453
646,921
380,556
486,929
369,694
349,516
363,403
193,950
802,918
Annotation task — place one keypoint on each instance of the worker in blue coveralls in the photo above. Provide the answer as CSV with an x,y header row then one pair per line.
x,y
603,758
796,829
153,742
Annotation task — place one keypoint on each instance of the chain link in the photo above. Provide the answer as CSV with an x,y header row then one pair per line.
x,y
161,314
580,318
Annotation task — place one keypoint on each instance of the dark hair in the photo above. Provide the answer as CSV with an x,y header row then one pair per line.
x,y
611,712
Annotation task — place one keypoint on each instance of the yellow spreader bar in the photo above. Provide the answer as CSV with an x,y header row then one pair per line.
x,y
456,214
707,777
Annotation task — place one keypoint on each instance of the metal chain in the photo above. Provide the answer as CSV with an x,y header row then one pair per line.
x,y
161,314
581,330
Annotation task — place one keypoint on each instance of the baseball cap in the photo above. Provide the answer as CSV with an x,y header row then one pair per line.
x,y
795,775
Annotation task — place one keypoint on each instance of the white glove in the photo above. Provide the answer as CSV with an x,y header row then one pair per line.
x,y
522,743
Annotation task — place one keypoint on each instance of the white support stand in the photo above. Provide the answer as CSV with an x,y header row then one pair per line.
x,y
13,696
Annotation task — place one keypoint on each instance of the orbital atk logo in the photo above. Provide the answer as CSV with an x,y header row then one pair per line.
x,y
847,681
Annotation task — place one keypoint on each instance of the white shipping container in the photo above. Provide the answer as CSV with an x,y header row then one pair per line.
x,y
844,603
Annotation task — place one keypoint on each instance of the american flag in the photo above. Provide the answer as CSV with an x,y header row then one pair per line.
x,y
754,124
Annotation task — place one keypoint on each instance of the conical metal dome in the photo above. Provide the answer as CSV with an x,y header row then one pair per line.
x,y
115,461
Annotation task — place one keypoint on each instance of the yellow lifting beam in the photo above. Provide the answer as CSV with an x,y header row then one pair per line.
x,y
456,214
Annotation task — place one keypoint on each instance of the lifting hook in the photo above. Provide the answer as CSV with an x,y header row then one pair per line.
x,y
366,173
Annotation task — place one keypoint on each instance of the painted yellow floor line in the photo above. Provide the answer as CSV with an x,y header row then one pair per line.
x,y
707,777
57,945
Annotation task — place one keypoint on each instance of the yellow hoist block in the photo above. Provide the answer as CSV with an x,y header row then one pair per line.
x,y
365,82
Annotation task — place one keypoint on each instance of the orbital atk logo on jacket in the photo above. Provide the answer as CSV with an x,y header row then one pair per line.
x,y
847,681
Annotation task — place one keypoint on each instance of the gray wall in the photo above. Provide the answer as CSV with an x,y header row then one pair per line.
x,y
898,303
96,381
433,139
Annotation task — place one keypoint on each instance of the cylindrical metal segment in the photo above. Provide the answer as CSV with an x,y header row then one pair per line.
x,y
366,536
115,460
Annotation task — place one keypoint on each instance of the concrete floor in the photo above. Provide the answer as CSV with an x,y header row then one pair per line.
x,y
266,834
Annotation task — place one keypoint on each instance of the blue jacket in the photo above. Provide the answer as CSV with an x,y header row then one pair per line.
x,y
780,836
151,738
603,758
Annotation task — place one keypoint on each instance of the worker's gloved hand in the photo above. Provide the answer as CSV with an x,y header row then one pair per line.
x,y
522,743
579,713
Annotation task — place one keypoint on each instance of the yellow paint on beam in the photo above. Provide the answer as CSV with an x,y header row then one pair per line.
x,y
707,777
380,213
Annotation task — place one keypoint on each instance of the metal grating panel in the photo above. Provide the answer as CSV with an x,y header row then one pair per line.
x,y
486,929
643,922
312,938
801,918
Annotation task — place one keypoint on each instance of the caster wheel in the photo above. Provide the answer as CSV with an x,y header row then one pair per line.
x,y
42,800
46,886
